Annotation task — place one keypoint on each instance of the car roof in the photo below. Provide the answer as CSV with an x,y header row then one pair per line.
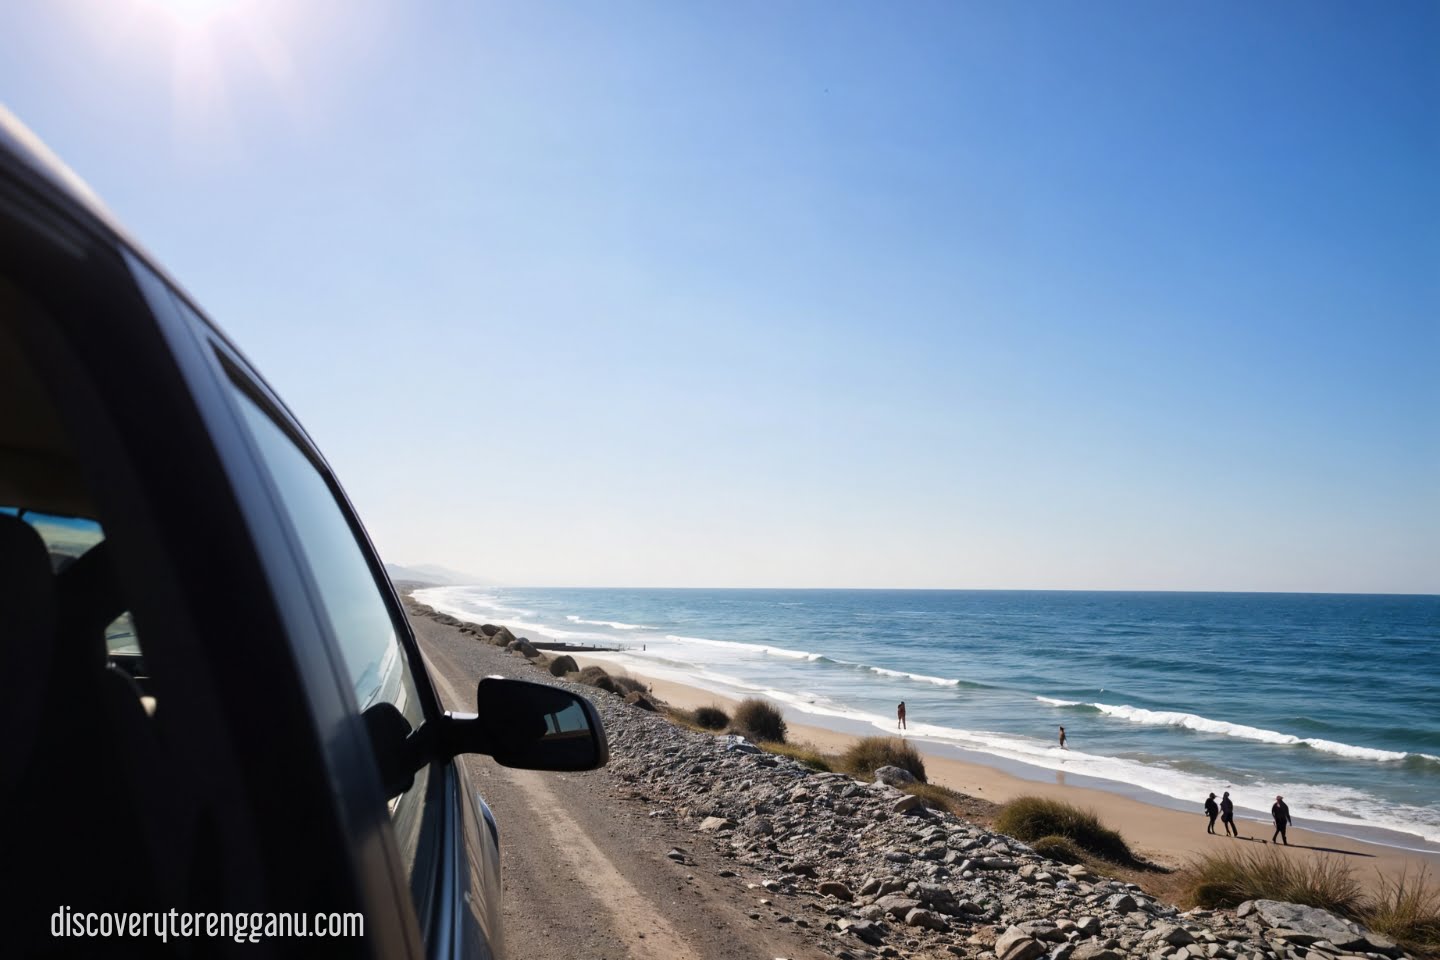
x,y
21,148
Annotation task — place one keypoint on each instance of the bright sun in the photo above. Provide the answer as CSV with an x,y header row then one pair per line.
x,y
194,12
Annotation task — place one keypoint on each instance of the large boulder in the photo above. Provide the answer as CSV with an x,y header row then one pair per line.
x,y
1016,944
895,776
523,647
502,637
1310,923
562,665
896,905
488,629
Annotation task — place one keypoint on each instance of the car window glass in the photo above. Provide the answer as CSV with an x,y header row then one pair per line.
x,y
66,538
356,610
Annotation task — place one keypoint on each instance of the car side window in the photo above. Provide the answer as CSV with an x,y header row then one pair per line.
x,y
356,610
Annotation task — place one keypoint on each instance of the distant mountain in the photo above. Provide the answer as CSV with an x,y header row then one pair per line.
x,y
436,574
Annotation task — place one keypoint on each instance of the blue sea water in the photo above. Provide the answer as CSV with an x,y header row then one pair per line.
x,y
1331,700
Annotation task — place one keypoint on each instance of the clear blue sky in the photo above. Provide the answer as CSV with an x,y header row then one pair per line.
x,y
1054,295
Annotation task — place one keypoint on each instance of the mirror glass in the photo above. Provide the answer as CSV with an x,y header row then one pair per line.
x,y
538,727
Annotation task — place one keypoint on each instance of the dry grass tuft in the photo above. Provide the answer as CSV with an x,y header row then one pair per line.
x,y
813,759
1230,877
1033,818
759,720
869,754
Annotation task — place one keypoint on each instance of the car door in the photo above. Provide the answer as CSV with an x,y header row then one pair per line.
x,y
444,850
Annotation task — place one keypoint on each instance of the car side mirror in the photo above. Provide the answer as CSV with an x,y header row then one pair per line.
x,y
532,726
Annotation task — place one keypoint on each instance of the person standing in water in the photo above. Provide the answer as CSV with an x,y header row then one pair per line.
x,y
1062,739
900,716
1211,811
1227,815
1281,813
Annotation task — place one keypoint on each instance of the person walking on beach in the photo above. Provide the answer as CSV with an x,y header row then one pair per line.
x,y
1281,813
1212,811
1227,815
900,716
1062,739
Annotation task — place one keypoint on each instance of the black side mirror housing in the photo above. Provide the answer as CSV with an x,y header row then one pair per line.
x,y
531,726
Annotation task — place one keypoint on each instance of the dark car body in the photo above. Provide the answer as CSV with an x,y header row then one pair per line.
x,y
214,754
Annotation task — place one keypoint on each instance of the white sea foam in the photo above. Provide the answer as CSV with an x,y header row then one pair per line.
x,y
1059,703
1191,721
613,624
938,681
759,648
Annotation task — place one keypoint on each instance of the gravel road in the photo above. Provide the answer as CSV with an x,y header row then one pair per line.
x,y
585,858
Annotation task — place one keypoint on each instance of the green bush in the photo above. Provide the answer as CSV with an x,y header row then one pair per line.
x,y
711,718
759,720
1032,818
1230,877
868,754
1055,847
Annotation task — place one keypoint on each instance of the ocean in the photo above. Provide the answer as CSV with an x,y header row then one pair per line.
x,y
1330,700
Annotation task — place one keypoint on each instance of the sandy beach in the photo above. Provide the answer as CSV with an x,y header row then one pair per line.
x,y
1164,835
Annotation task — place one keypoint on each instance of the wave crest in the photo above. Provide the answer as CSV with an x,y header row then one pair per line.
x,y
1191,721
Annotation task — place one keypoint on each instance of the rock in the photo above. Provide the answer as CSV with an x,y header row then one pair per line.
x,y
1173,934
920,917
1041,930
896,905
895,776
638,699
1094,951
489,629
1087,926
717,823
1303,922
1121,903
1015,944
907,803
562,665
836,889
866,930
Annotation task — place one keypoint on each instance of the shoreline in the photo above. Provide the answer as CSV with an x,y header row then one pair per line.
x,y
1166,836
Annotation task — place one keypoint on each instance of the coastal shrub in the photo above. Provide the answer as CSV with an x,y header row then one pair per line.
x,y
869,754
1055,847
596,677
627,684
936,797
1230,877
759,720
809,757
711,718
637,699
1407,910
1031,818
562,665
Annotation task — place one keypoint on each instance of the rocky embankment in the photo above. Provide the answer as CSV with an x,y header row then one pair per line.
x,y
868,871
